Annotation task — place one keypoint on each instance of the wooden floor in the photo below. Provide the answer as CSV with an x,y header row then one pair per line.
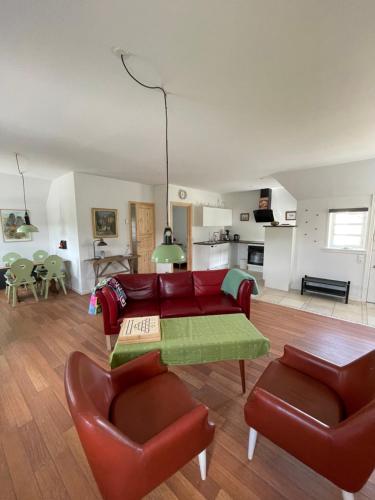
x,y
41,457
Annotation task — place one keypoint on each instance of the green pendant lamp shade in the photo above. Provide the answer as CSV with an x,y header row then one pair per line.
x,y
167,252
27,227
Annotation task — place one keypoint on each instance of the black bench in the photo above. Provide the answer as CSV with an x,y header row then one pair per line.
x,y
326,287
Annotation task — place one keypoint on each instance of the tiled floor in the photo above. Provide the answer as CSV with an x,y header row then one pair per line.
x,y
356,312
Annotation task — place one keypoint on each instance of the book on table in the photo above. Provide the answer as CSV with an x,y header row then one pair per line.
x,y
141,329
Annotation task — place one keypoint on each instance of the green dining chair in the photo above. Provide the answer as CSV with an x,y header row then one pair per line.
x,y
52,271
10,257
8,260
40,256
20,275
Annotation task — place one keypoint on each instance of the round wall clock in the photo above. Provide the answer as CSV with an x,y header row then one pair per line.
x,y
182,194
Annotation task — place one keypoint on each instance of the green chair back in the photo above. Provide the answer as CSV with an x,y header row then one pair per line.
x,y
52,265
11,257
21,271
40,256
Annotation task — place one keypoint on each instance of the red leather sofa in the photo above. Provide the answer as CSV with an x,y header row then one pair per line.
x,y
171,295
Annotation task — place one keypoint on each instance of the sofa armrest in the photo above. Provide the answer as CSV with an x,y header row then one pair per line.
x,y
244,297
110,311
105,312
181,441
357,382
136,371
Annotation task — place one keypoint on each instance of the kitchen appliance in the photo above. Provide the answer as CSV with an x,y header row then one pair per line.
x,y
264,213
255,254
236,237
226,235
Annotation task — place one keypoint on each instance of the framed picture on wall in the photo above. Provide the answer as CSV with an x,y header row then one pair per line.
x,y
290,215
244,217
104,222
11,220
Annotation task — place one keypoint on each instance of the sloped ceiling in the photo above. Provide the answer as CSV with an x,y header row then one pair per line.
x,y
256,87
357,178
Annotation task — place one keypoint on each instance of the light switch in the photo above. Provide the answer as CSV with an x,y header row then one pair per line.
x,y
360,259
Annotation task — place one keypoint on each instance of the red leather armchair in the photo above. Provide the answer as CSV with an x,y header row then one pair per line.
x,y
137,424
321,413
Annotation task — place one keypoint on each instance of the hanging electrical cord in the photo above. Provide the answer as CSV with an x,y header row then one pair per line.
x,y
23,181
167,252
156,87
27,227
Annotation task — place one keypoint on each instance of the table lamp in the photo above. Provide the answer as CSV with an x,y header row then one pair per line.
x,y
101,243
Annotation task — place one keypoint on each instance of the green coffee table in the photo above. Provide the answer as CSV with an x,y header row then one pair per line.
x,y
200,339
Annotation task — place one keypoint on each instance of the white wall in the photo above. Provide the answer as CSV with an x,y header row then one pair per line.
x,y
62,223
311,256
11,196
92,191
247,201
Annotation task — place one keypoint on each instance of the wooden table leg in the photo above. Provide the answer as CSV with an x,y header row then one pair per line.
x,y
242,371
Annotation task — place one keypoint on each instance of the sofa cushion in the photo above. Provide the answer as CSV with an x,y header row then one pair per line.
x,y
147,408
303,392
136,308
208,282
139,286
184,306
218,304
176,285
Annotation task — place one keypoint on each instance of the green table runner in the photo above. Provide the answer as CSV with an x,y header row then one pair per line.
x,y
199,339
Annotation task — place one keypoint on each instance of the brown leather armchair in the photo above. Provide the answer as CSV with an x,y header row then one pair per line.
x,y
137,424
321,413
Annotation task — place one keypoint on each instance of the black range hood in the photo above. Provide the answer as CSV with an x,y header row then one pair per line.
x,y
264,213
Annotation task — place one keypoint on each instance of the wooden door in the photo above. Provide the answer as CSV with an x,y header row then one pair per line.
x,y
145,234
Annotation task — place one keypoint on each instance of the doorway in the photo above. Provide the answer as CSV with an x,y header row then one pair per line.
x,y
142,235
181,218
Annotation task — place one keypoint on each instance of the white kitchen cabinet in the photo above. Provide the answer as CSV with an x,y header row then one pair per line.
x,y
226,216
211,256
214,217
224,249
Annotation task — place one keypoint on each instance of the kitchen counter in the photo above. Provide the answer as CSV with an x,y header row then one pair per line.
x,y
220,242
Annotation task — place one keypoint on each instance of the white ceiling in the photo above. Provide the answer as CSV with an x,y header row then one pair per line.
x,y
257,87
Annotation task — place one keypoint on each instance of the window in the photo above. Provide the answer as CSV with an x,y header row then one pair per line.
x,y
347,228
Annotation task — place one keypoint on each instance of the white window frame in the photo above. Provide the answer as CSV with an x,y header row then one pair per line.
x,y
331,225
